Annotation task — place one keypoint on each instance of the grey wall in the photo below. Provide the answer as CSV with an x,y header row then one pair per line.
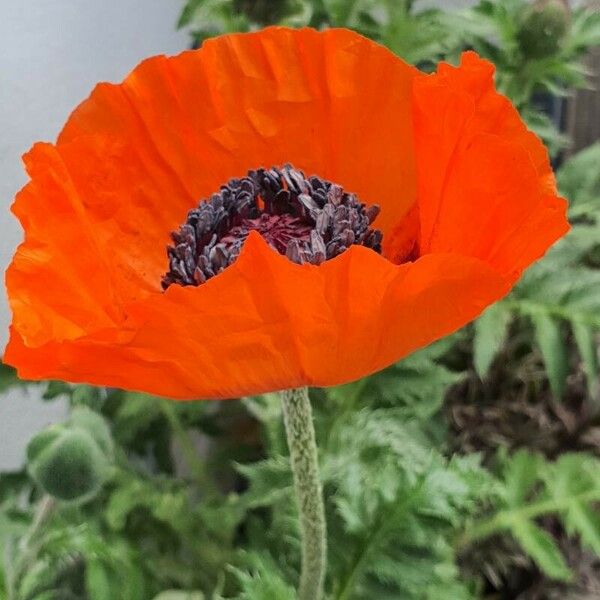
x,y
52,52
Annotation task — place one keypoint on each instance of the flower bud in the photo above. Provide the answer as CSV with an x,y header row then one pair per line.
x,y
72,461
543,29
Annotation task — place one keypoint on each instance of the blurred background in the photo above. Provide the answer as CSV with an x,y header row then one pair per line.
x,y
513,396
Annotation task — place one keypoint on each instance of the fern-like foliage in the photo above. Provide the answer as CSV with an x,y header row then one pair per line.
x,y
530,487
260,580
395,504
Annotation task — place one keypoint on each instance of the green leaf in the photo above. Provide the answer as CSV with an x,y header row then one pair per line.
x,y
541,547
554,352
11,525
342,12
187,14
98,581
490,333
8,377
564,288
270,481
165,501
588,350
55,389
135,414
545,128
579,181
396,498
574,484
520,475
585,521
262,580
532,487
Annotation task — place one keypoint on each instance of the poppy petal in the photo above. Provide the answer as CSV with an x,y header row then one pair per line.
x,y
331,103
58,283
266,323
485,184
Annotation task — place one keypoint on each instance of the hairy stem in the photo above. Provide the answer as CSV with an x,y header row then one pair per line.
x,y
297,415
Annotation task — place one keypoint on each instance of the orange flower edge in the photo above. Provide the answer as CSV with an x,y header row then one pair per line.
x,y
457,175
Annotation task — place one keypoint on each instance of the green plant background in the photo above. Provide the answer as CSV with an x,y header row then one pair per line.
x,y
468,470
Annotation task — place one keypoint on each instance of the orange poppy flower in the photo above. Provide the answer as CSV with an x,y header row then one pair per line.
x,y
466,193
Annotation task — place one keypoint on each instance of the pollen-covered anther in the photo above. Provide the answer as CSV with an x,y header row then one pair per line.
x,y
307,219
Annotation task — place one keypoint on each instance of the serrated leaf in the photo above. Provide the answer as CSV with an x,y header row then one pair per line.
x,y
542,549
586,26
490,333
520,474
533,487
262,580
122,502
550,341
270,480
585,521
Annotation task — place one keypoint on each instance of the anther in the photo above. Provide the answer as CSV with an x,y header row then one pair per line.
x,y
308,220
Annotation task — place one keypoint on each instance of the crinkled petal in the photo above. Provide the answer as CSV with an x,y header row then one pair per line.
x,y
266,323
485,186
331,103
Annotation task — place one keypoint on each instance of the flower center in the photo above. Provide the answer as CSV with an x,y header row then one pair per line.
x,y
307,219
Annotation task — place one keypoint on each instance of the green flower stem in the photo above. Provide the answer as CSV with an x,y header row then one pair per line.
x,y
297,416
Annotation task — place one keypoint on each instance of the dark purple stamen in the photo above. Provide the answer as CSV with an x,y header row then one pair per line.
x,y
308,219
